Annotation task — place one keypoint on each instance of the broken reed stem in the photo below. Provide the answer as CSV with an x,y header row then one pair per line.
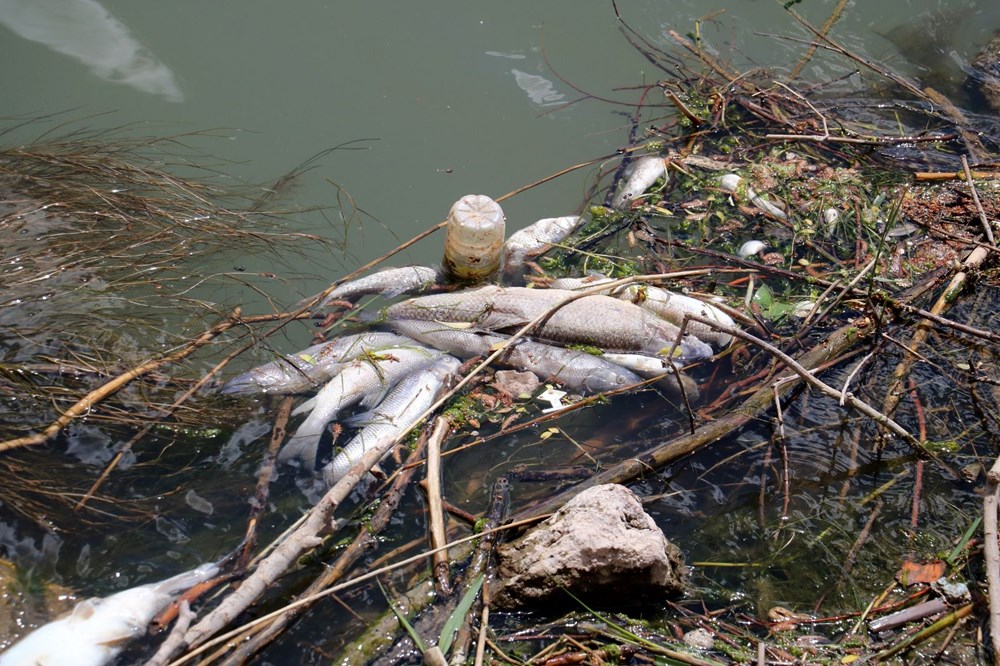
x,y
484,623
278,433
987,227
824,30
923,634
86,403
435,513
895,392
991,557
479,564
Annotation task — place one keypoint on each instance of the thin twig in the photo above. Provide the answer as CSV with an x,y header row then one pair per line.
x,y
824,30
816,383
987,227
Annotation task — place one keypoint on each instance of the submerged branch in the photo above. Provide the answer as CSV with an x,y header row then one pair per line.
x,y
83,406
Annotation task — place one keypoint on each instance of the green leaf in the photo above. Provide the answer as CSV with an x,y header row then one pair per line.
x,y
458,615
403,621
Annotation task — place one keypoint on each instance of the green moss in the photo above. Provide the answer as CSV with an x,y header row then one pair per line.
x,y
587,349
942,446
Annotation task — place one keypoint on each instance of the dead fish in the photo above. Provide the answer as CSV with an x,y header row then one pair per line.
x,y
731,183
576,370
389,282
601,321
96,630
673,307
396,414
649,367
574,283
296,373
646,171
751,248
365,380
536,239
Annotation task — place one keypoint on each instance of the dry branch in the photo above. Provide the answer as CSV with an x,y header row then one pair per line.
x,y
752,408
83,406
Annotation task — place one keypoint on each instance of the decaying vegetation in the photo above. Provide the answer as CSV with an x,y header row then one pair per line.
x,y
867,359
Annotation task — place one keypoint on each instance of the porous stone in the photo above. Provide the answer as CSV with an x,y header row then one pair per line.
x,y
516,383
601,547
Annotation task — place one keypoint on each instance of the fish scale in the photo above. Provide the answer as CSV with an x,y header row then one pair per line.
x,y
576,370
396,414
598,320
362,381
296,373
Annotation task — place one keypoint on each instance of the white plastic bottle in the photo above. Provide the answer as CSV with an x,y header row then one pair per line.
x,y
474,239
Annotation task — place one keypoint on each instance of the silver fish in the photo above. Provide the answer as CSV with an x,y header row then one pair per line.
x,y
602,321
654,366
389,282
579,371
96,630
575,283
673,307
646,171
364,380
400,410
536,239
731,184
296,373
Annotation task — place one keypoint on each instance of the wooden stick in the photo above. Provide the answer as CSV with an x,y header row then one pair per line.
x,y
87,402
435,513
991,557
987,227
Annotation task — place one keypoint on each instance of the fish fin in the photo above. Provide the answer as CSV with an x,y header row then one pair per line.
x,y
306,406
359,419
300,447
365,418
373,399
85,609
240,385
117,643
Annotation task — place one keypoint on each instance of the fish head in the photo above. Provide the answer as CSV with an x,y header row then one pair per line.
x,y
608,379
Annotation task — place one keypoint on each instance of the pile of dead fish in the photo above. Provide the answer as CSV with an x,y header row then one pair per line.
x,y
409,355
405,360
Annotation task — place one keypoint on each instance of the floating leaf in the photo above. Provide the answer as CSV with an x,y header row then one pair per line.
x,y
914,573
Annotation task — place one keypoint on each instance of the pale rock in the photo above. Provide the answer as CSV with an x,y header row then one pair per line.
x,y
601,547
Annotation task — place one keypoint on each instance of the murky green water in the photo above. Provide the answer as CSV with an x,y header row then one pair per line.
x,y
432,101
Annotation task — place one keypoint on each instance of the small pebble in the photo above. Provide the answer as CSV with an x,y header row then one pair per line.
x,y
701,639
803,309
